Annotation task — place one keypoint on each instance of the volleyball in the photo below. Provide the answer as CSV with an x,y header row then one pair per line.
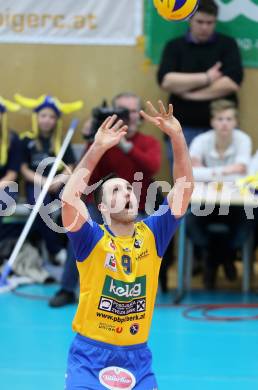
x,y
176,9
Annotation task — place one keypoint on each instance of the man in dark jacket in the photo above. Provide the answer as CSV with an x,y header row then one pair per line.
x,y
198,68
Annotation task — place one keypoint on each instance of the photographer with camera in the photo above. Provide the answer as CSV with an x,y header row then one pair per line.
x,y
136,152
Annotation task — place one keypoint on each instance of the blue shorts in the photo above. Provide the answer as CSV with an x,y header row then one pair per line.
x,y
93,365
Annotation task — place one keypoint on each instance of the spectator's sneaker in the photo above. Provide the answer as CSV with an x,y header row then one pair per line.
x,y
62,298
49,280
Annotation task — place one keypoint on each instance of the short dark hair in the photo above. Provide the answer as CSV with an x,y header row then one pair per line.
x,y
208,7
98,193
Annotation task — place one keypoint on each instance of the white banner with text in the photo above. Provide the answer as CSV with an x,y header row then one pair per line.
x,y
82,22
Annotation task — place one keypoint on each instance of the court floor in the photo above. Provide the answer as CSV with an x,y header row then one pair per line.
x,y
195,346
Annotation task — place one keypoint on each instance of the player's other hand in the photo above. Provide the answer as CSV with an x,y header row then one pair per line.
x,y
110,132
163,119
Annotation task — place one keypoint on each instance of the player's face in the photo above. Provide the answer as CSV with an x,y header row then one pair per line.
x,y
202,26
47,120
224,122
132,105
119,201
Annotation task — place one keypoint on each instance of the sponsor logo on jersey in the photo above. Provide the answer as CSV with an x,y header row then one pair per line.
x,y
134,328
112,245
122,298
105,304
122,308
117,378
110,328
138,243
142,254
123,291
110,262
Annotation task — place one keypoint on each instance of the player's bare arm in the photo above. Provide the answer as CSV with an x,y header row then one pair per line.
x,y
74,211
179,196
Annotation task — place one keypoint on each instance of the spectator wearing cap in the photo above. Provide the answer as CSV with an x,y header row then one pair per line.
x,y
42,142
10,162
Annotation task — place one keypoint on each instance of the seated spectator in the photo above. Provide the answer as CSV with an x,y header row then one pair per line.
x,y
220,154
45,141
137,152
224,152
10,161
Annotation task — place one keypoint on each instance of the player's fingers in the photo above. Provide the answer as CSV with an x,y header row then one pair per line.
x,y
122,133
117,125
123,129
170,110
151,108
111,121
162,108
104,124
152,120
147,117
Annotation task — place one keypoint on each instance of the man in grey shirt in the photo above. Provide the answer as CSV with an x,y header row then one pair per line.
x,y
221,154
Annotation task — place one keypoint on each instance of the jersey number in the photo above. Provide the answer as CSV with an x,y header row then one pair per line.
x,y
127,264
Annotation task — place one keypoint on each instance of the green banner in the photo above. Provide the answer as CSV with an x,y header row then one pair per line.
x,y
237,18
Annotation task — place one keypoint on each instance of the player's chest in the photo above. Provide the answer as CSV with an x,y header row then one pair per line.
x,y
124,259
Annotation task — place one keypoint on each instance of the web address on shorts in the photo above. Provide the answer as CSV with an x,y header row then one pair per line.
x,y
136,317
20,22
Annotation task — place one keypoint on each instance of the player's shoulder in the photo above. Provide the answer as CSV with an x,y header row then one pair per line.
x,y
142,227
101,227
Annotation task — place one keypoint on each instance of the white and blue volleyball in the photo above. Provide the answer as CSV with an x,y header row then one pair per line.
x,y
176,9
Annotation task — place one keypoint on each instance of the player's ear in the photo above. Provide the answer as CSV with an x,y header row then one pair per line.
x,y
102,207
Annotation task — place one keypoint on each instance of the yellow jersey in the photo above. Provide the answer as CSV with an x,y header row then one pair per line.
x,y
119,278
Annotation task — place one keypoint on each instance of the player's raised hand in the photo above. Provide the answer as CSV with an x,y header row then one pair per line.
x,y
163,119
110,132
